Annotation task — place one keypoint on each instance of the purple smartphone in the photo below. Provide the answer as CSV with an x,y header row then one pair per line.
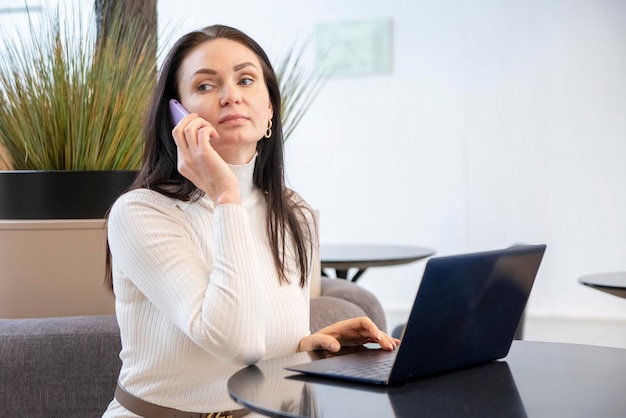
x,y
177,111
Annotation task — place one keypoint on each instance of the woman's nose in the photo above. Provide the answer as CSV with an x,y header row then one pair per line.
x,y
229,95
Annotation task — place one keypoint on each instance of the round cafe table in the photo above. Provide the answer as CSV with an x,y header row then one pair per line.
x,y
535,380
343,257
613,283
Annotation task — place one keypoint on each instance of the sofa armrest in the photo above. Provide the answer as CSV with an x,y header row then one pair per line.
x,y
61,367
357,295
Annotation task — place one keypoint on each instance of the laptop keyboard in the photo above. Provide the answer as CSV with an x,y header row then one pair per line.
x,y
366,369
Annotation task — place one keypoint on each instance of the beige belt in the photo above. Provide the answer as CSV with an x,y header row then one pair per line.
x,y
150,410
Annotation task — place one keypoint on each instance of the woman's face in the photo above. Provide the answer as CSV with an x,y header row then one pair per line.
x,y
222,81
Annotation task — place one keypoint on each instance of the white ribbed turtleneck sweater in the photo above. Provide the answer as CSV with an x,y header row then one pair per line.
x,y
197,296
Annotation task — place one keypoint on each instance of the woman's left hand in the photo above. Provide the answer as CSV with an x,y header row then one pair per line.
x,y
350,332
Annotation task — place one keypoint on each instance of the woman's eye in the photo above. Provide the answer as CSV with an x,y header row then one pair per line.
x,y
246,81
205,87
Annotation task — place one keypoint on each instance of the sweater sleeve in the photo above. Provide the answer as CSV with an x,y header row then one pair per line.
x,y
218,305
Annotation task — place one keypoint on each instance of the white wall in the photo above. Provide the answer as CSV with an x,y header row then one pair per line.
x,y
502,122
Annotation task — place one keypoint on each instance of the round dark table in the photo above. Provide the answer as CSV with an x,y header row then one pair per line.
x,y
613,283
536,379
343,257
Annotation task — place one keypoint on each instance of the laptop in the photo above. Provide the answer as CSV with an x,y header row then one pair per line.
x,y
466,313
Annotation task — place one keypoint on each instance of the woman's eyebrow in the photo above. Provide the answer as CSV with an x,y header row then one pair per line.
x,y
237,67
243,65
205,71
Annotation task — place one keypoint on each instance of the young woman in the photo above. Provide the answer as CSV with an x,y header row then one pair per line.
x,y
210,254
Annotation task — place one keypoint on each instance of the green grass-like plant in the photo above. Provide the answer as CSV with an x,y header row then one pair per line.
x,y
70,100
298,86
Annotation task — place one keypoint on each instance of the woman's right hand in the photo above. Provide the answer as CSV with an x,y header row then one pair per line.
x,y
347,333
201,164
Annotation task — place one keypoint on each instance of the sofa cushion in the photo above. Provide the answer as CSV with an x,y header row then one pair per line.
x,y
58,367
326,310
358,295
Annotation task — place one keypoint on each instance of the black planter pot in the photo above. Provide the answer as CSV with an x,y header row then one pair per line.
x,y
60,194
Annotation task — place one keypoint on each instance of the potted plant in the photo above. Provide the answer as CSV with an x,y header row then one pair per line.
x,y
71,113
71,103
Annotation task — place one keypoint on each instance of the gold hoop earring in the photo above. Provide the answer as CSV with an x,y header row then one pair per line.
x,y
268,132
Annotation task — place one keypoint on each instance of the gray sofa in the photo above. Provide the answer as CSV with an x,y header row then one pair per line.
x,y
68,366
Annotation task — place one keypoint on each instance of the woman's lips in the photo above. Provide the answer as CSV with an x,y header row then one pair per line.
x,y
232,119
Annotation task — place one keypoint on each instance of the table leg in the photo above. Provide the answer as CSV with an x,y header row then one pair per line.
x,y
344,274
357,275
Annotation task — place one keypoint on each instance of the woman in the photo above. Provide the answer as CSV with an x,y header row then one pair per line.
x,y
210,254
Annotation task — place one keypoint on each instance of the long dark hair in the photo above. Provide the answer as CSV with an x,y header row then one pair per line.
x,y
287,214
